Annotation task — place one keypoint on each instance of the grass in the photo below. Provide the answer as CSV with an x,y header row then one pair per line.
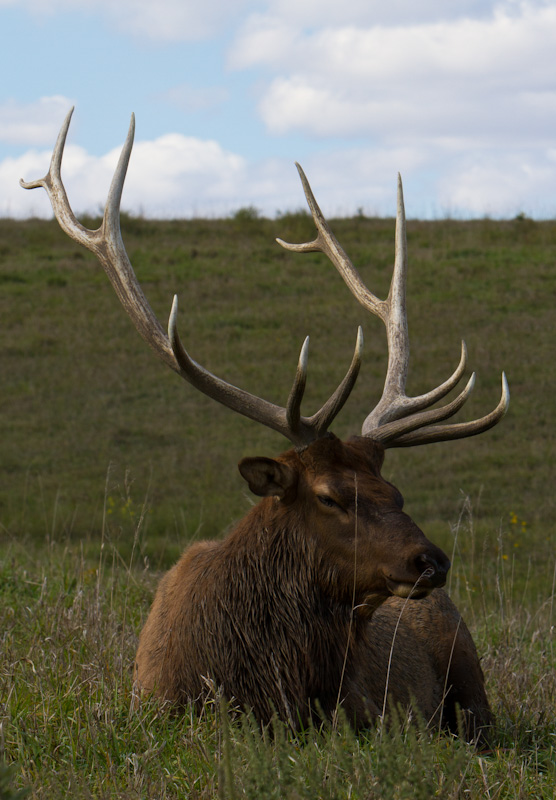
x,y
110,467
70,628
83,397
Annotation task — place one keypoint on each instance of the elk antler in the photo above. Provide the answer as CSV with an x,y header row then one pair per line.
x,y
107,244
398,420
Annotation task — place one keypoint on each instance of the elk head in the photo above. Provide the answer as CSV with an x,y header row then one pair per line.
x,y
360,517
366,546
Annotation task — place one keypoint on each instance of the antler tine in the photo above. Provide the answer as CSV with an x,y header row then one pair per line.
x,y
52,182
397,419
327,243
107,244
391,431
293,406
444,433
287,421
106,241
394,403
323,418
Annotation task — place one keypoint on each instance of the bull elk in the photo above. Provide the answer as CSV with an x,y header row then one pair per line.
x,y
326,594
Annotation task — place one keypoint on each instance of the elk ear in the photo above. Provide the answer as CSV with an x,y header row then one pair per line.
x,y
267,477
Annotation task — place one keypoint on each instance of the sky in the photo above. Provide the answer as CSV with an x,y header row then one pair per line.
x,y
459,97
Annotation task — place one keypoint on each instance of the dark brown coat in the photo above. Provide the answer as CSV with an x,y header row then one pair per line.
x,y
266,614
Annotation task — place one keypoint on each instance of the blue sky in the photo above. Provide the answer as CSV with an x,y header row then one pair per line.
x,y
460,97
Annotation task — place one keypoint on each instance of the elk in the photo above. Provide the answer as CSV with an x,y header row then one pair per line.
x,y
326,594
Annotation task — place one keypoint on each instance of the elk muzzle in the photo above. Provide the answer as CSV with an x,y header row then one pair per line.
x,y
424,568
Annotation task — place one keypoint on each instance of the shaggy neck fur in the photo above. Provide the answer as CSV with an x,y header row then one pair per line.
x,y
255,621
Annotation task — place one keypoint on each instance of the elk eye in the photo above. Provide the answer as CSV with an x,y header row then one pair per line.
x,y
327,501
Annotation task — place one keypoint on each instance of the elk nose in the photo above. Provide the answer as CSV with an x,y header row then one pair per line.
x,y
433,569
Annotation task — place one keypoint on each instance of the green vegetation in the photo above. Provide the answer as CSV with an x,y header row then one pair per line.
x,y
110,465
69,633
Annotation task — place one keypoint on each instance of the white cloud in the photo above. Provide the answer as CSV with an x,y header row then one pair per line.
x,y
32,123
452,41
321,13
178,176
163,20
182,174
454,115
171,176
468,89
461,77
173,20
462,100
502,184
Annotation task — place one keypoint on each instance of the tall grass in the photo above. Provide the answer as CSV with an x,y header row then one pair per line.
x,y
69,621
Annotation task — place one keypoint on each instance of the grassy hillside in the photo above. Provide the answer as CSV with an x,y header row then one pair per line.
x,y
89,415
110,464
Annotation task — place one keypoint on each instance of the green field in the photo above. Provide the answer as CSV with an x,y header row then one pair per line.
x,y
111,464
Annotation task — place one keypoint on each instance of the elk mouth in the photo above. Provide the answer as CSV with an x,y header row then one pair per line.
x,y
428,580
415,591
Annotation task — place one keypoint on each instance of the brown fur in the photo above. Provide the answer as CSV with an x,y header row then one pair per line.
x,y
266,614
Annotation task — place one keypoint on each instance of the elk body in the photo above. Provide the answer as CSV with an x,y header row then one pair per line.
x,y
326,593
296,610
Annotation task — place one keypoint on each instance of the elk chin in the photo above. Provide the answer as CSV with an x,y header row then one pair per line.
x,y
407,590
367,607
